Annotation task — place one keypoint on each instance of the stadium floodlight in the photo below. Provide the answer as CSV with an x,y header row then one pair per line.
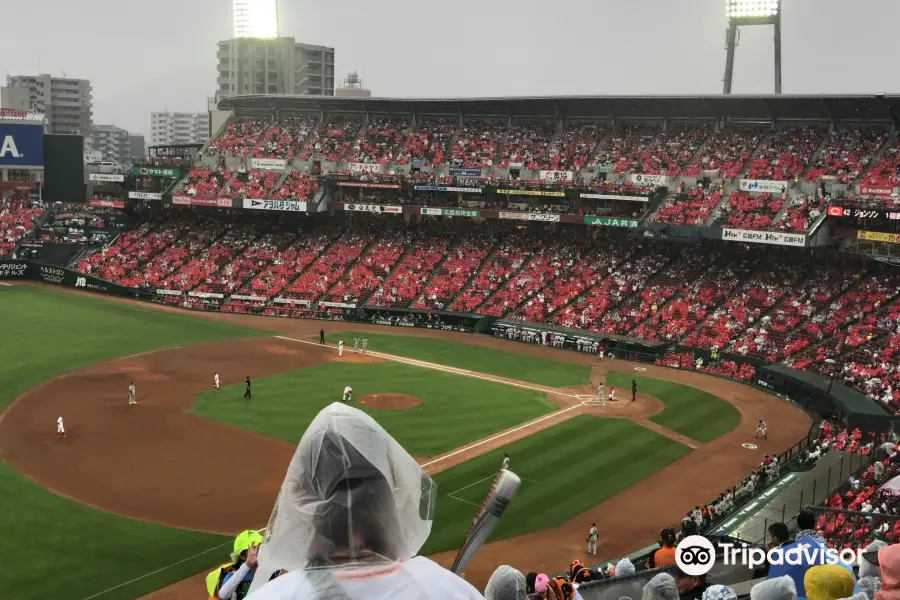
x,y
752,9
255,18
742,13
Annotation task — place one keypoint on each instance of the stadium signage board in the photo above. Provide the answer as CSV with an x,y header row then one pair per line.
x,y
531,193
374,208
268,164
606,167
21,145
441,188
107,177
459,172
282,205
194,201
205,295
640,179
776,238
279,300
611,222
888,260
763,186
451,212
247,298
144,196
155,172
524,216
878,236
336,305
615,197
367,184
103,203
881,189
366,168
559,176
161,292
862,213
13,269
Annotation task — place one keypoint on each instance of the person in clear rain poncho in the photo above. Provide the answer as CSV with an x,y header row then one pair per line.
x,y
506,583
352,513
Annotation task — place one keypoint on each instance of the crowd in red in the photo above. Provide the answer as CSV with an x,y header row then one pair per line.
x,y
222,182
381,143
749,211
17,217
723,368
785,154
726,151
693,208
430,142
526,144
846,154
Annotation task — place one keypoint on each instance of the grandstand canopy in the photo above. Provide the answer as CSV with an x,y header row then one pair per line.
x,y
737,108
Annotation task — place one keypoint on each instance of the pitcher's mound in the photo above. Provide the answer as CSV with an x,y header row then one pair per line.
x,y
389,401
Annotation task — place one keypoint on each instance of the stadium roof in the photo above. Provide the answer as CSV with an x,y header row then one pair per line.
x,y
873,108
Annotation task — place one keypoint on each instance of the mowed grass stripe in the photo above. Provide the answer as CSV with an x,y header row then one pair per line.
x,y
577,464
455,410
697,414
65,549
521,367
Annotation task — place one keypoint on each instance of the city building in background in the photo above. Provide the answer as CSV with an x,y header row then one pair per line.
x,y
67,103
255,18
137,147
353,87
168,128
274,66
112,142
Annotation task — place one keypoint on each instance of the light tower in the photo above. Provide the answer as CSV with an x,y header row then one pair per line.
x,y
751,12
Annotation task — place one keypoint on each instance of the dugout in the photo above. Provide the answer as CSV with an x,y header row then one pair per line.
x,y
826,396
614,346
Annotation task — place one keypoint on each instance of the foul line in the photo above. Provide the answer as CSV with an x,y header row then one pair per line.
x,y
471,484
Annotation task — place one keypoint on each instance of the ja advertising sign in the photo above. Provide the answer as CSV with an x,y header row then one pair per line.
x,y
21,145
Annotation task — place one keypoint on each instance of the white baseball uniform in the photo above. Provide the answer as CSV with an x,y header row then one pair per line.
x,y
348,392
341,348
761,429
131,400
600,397
365,344
593,534
216,384
60,428
505,463
356,344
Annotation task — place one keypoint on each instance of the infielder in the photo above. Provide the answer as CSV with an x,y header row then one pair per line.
x,y
355,345
762,429
216,382
593,534
505,465
348,393
340,348
365,344
60,428
131,393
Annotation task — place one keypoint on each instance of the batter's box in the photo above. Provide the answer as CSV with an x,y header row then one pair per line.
x,y
586,397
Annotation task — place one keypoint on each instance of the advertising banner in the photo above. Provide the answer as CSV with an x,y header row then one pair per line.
x,y
155,172
248,298
366,168
21,145
881,189
606,167
74,279
417,162
13,269
863,213
557,175
523,216
531,193
268,164
616,197
374,208
205,295
776,238
144,196
195,201
106,177
336,305
168,293
102,203
450,212
763,186
282,205
303,303
367,184
877,236
459,172
649,180
610,222
439,188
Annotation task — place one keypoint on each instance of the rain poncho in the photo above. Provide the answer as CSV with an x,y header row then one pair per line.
x,y
869,586
505,584
624,567
828,582
661,587
779,588
889,563
719,592
867,569
352,513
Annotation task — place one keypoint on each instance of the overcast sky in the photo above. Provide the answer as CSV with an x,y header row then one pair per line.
x,y
147,56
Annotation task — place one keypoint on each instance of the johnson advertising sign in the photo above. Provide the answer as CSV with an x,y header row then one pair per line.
x,y
21,145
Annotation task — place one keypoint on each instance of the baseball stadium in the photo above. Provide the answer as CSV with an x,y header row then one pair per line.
x,y
584,328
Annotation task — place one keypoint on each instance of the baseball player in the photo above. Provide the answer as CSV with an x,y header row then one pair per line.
x,y
348,393
612,394
633,390
131,393
247,394
762,429
365,344
216,382
593,534
355,345
340,348
600,397
505,465
60,428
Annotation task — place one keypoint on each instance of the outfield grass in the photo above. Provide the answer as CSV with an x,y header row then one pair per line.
x,y
697,414
455,410
565,470
62,549
522,367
